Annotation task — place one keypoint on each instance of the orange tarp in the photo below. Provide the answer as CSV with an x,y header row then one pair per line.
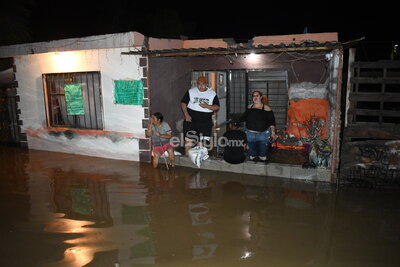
x,y
301,111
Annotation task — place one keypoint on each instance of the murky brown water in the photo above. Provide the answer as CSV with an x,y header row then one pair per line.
x,y
67,210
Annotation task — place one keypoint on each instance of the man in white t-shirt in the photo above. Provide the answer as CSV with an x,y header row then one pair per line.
x,y
198,105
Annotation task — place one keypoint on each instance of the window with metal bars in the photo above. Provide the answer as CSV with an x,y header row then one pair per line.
x,y
272,83
54,85
237,80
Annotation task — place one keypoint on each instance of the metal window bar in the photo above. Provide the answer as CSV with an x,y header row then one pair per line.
x,y
91,94
237,93
273,84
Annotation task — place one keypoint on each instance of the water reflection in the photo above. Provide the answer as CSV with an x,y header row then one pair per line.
x,y
68,210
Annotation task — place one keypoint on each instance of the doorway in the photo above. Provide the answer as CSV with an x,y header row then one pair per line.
x,y
234,89
10,130
9,127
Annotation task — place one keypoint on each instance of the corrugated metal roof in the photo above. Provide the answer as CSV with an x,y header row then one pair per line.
x,y
240,49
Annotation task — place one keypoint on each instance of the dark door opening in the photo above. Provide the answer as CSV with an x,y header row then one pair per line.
x,y
9,128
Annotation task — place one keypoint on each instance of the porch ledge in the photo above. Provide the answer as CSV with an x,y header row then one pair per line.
x,y
257,168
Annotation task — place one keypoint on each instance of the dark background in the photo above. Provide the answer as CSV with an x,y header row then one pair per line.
x,y
24,21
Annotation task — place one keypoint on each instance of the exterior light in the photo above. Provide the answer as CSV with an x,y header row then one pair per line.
x,y
65,61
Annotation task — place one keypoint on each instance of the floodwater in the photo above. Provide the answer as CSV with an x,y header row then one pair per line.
x,y
68,210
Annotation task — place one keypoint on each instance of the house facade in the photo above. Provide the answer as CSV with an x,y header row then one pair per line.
x,y
94,95
43,72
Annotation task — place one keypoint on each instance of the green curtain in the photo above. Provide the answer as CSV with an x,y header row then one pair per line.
x,y
74,99
128,92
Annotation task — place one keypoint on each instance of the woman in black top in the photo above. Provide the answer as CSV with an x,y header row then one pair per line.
x,y
260,127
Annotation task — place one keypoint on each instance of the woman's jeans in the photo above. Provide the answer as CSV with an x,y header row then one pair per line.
x,y
258,143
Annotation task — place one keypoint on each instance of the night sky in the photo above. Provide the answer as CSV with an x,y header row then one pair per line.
x,y
44,20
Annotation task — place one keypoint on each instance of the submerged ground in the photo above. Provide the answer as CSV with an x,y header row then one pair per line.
x,y
69,210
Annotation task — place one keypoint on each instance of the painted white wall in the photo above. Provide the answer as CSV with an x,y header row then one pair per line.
x,y
119,118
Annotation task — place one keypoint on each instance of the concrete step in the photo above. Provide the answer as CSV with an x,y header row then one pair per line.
x,y
258,168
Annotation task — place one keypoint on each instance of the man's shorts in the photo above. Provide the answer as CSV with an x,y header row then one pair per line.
x,y
197,131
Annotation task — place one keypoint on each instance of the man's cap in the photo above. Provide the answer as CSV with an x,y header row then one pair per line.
x,y
234,122
202,79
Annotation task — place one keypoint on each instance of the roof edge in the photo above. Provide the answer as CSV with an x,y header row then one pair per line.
x,y
305,46
113,40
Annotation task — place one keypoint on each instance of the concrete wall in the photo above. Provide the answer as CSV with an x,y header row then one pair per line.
x,y
122,123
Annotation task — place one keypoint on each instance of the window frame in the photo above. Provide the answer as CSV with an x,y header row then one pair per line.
x,y
53,84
